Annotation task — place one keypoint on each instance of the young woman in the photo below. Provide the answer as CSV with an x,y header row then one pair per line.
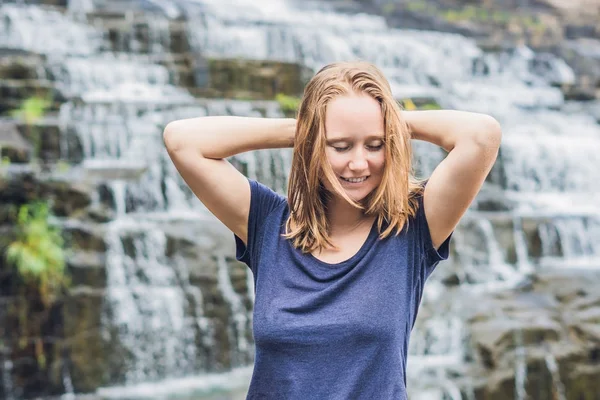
x,y
339,265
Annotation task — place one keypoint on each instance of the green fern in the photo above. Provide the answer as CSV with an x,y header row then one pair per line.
x,y
38,253
32,109
288,104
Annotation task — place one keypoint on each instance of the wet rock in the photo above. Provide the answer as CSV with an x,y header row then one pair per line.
x,y
533,231
67,198
100,214
141,31
84,237
249,79
12,144
546,330
182,247
87,268
525,321
95,355
583,55
16,190
568,29
46,138
14,91
20,66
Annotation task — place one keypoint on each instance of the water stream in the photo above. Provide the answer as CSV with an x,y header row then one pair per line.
x,y
120,94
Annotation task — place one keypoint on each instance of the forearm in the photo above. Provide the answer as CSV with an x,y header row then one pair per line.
x,y
222,137
448,128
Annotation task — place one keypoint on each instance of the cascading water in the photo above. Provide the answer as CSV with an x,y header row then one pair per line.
x,y
7,383
559,389
121,94
520,367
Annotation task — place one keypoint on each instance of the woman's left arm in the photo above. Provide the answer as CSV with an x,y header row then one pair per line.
x,y
473,141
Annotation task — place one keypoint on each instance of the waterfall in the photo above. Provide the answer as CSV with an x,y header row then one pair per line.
x,y
121,91
559,389
237,309
495,256
147,304
523,264
7,383
520,367
67,384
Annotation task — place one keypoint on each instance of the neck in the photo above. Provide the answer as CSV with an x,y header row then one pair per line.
x,y
343,217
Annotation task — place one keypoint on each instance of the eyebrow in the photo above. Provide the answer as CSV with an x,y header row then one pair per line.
x,y
349,139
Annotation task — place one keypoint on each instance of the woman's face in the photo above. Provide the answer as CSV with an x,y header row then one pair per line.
x,y
354,143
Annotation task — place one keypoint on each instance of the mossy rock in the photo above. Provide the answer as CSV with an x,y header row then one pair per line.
x,y
252,79
13,147
87,268
68,199
85,238
96,357
20,67
138,31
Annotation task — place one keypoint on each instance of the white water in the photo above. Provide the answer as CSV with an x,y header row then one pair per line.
x,y
67,384
147,303
237,332
121,102
7,382
559,389
520,367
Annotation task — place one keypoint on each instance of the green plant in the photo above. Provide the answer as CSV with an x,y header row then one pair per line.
x,y
501,17
465,14
388,8
533,23
417,5
38,252
407,104
62,166
288,104
430,106
32,109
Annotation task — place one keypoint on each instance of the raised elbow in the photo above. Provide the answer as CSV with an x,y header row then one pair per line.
x,y
172,137
490,134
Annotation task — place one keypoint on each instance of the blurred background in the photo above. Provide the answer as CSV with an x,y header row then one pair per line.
x,y
116,283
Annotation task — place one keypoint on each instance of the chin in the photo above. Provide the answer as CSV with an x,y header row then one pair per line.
x,y
360,197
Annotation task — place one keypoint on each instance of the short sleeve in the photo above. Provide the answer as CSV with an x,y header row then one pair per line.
x,y
427,257
263,200
430,257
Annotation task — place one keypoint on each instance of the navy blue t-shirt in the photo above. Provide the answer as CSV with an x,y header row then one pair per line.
x,y
332,331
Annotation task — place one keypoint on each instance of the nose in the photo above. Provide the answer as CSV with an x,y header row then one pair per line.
x,y
358,161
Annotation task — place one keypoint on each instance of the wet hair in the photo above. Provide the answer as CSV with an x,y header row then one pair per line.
x,y
395,198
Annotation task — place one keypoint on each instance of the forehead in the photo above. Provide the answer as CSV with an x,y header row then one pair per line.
x,y
353,115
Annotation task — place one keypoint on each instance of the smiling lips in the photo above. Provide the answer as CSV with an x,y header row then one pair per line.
x,y
355,180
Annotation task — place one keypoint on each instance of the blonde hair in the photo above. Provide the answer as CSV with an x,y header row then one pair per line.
x,y
394,200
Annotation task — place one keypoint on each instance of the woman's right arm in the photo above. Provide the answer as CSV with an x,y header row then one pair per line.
x,y
198,148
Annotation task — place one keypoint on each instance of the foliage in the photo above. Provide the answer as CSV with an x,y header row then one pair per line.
x,y
388,8
37,252
288,104
32,109
417,5
430,106
477,13
62,166
409,105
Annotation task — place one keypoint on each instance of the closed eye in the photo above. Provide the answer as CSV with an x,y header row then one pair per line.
x,y
371,148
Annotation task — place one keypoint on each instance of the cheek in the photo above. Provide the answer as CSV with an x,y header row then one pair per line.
x,y
335,161
379,162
